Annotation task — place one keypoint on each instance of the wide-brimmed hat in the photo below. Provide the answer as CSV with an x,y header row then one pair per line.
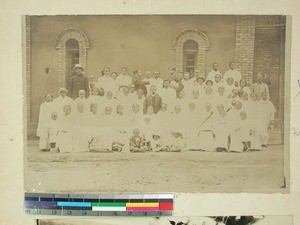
x,y
62,89
78,66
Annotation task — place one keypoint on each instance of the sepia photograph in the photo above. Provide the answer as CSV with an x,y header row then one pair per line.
x,y
156,103
212,220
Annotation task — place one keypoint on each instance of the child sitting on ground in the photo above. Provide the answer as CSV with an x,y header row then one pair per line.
x,y
136,143
157,143
177,143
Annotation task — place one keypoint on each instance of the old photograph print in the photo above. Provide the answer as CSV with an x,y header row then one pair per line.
x,y
155,103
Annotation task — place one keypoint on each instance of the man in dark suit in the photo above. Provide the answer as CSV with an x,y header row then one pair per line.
x,y
78,82
152,99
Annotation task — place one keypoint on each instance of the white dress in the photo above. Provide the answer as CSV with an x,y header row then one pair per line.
x,y
46,109
206,136
65,134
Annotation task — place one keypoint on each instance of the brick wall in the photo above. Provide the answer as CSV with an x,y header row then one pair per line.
x,y
244,47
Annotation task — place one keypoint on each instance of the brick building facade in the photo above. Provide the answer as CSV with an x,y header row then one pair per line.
x,y
255,43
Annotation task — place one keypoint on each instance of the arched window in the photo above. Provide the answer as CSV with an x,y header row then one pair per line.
x,y
190,47
72,57
190,52
72,45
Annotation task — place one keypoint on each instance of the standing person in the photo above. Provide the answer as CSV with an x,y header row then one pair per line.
x,y
138,81
92,83
106,81
267,115
259,87
168,94
157,81
123,79
53,128
176,83
233,73
149,80
61,101
78,82
215,70
154,100
44,117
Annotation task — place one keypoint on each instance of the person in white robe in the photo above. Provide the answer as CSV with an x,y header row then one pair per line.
x,y
92,83
46,109
221,98
65,133
106,81
135,114
266,118
108,100
221,130
206,136
61,101
243,87
81,137
140,98
217,82
157,81
82,99
191,118
254,121
124,98
188,84
123,79
53,128
240,134
212,74
94,98
182,100
233,73
229,85
148,80
168,94
177,143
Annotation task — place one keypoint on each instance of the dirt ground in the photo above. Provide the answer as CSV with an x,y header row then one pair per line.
x,y
191,171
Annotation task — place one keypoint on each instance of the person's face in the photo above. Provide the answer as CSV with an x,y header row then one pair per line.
x,y
186,76
140,93
221,90
243,83
208,107
81,94
238,105
217,78
253,97
135,108
177,109
181,94
114,75
80,108
106,71
232,65
120,109
259,78
155,137
229,81
67,110
209,83
243,115
63,94
48,98
101,92
124,71
108,111
150,110
126,91
95,91
156,75
166,83
132,89
153,89
197,73
136,132
195,94
94,108
208,91
164,107
179,77
265,96
245,96
54,116
109,95
170,70
92,78
234,93
200,81
220,108
148,74
78,71
192,107
215,67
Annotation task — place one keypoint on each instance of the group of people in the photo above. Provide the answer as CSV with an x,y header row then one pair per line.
x,y
185,111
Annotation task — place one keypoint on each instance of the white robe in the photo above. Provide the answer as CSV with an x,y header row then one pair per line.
x,y
234,74
80,132
65,134
60,102
46,109
206,140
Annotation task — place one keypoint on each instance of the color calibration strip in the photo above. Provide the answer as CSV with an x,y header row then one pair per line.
x,y
99,204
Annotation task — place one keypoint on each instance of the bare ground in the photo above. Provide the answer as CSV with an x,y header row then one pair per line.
x,y
193,171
